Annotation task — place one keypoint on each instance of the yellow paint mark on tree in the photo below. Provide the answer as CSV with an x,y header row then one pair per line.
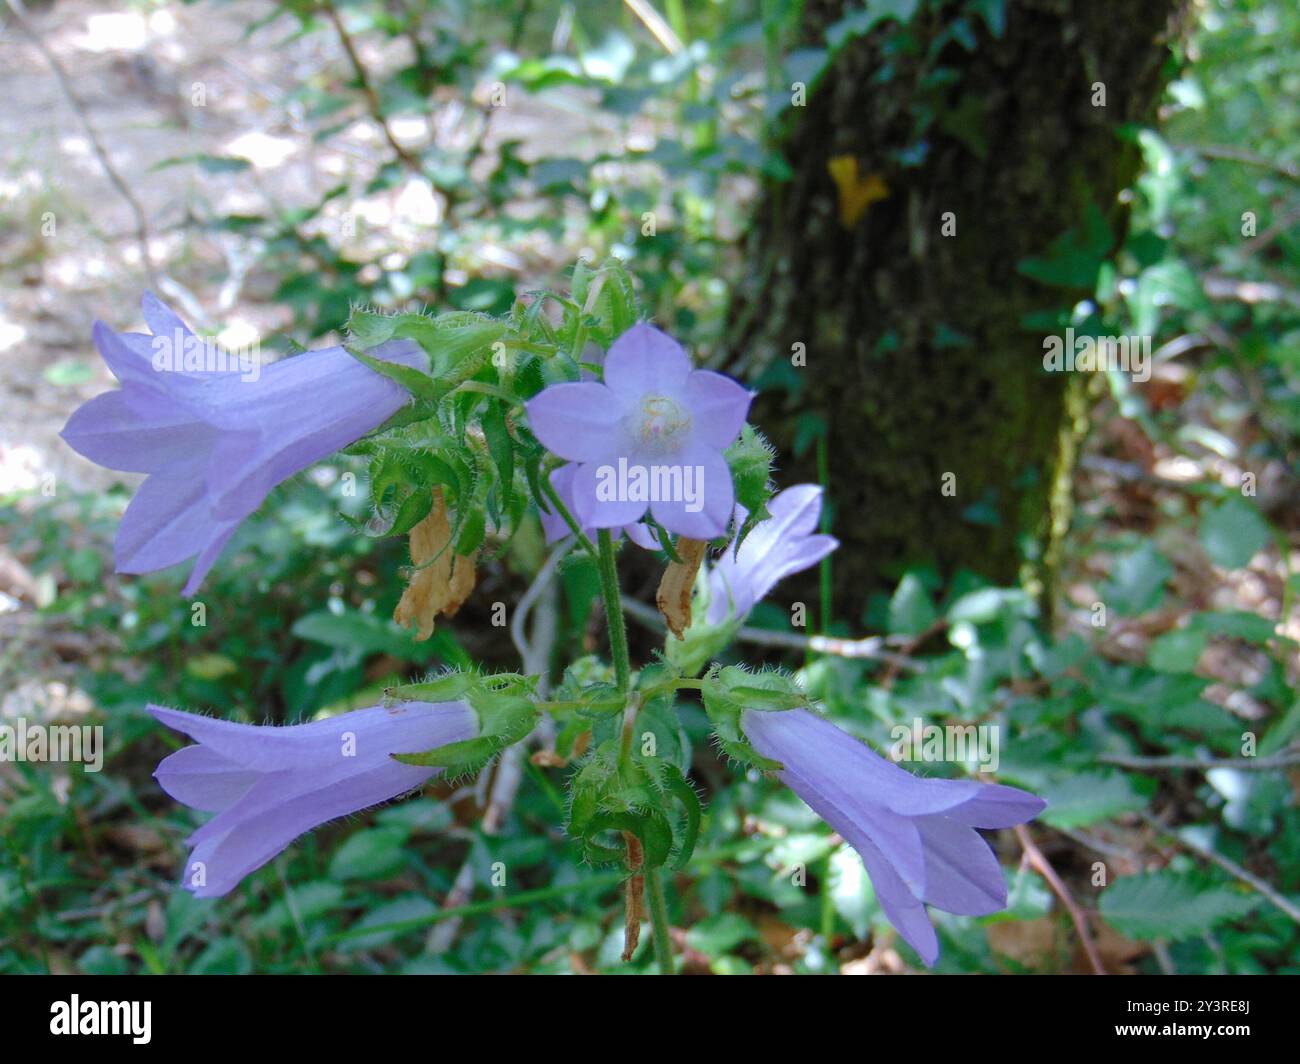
x,y
857,191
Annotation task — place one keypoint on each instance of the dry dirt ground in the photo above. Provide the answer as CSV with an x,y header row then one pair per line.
x,y
158,81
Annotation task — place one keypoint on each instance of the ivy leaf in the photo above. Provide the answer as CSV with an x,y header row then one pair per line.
x,y
1074,258
1137,582
1233,533
910,610
1176,651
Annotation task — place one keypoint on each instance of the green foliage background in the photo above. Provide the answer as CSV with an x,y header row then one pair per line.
x,y
299,606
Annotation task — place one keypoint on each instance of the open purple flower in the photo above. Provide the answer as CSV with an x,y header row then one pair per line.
x,y
269,785
652,435
215,434
916,836
784,544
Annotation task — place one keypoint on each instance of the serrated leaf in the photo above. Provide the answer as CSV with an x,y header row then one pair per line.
x,y
1169,906
1077,801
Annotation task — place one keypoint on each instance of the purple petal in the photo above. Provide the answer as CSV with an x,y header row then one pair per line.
x,y
901,907
244,837
207,557
774,549
642,536
718,407
167,521
555,527
823,766
581,422
202,779
161,319
797,509
718,497
217,439
593,511
111,433
644,362
376,732
962,875
272,784
128,355
996,805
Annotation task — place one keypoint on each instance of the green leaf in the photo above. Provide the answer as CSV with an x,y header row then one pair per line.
x,y
910,610
1073,259
209,164
1176,651
501,447
420,385
364,631
1165,905
504,718
720,934
750,459
310,901
1234,624
1137,581
1233,533
1086,798
370,854
398,911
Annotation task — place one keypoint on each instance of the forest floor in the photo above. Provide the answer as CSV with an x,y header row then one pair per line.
x,y
160,84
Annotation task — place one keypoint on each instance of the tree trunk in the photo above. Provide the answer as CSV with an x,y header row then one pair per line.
x,y
923,355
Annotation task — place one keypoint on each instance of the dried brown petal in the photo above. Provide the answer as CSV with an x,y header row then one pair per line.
x,y
440,587
674,594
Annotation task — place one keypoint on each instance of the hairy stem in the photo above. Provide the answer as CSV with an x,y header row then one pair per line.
x,y
614,611
659,921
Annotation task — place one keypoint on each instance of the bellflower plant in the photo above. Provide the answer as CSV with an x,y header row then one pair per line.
x,y
571,411
216,434
915,836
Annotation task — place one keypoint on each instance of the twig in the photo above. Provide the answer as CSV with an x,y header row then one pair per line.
x,y
1079,918
367,88
1240,155
871,649
656,24
1229,866
914,643
1286,759
1133,473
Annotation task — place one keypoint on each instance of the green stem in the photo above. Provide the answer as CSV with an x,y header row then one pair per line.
x,y
824,570
614,611
659,921
557,504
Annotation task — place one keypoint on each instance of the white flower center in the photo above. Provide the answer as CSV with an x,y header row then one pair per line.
x,y
660,423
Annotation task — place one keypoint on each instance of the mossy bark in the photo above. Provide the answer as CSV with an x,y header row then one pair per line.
x,y
918,358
